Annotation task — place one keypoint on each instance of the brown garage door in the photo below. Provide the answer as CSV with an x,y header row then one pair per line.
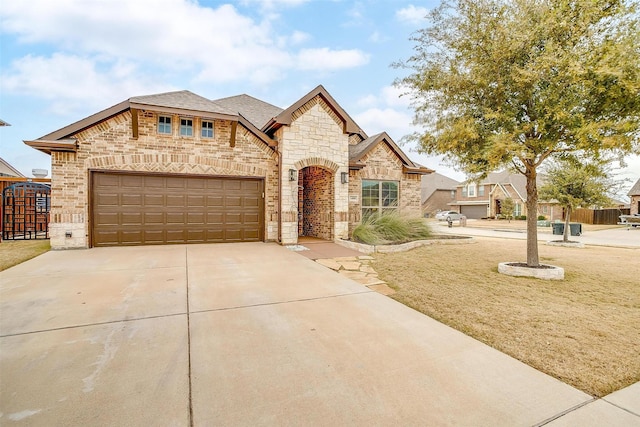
x,y
474,211
137,209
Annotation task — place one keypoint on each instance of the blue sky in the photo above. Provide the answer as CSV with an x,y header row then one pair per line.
x,y
66,59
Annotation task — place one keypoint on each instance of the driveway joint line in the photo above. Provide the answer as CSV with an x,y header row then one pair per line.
x,y
186,270
621,407
109,322
565,412
282,302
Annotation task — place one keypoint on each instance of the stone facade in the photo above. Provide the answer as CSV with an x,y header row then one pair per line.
x,y
314,138
110,146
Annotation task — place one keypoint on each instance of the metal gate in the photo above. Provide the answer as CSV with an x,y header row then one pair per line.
x,y
26,208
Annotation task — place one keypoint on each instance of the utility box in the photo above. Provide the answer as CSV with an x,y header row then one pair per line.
x,y
575,228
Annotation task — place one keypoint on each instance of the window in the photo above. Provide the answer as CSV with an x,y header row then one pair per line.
x,y
379,197
186,127
464,191
480,190
164,125
517,211
471,191
453,194
207,129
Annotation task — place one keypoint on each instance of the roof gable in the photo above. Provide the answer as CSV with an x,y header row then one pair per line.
x,y
358,151
435,181
7,170
635,190
286,116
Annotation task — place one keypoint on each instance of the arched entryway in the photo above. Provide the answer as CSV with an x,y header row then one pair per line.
x,y
315,202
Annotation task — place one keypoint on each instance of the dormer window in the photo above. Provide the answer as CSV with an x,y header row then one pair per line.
x,y
471,190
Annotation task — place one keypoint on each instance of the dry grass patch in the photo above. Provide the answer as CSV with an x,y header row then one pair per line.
x,y
14,252
583,330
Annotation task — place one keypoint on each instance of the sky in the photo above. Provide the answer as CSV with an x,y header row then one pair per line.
x,y
63,60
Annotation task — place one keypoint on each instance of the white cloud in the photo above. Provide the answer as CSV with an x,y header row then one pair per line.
x,y
119,45
327,59
412,15
74,83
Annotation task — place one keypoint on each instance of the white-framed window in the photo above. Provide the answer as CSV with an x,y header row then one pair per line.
x,y
471,190
379,197
186,127
164,125
206,129
480,190
464,191
453,194
517,210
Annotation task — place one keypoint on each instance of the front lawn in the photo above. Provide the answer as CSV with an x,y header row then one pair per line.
x,y
583,330
14,252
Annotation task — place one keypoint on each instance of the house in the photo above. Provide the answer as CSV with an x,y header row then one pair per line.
x,y
9,171
484,199
438,191
634,194
179,168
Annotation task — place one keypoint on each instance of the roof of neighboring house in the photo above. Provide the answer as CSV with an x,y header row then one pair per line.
x,y
7,170
3,123
635,190
358,151
435,181
256,111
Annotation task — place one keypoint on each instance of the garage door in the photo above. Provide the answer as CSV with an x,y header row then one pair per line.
x,y
136,209
474,212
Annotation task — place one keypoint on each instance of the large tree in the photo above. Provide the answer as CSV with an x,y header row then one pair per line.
x,y
511,83
575,184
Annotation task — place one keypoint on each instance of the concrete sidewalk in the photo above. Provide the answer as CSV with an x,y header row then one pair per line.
x,y
250,334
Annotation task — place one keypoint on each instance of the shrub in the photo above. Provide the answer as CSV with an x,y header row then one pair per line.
x,y
390,227
541,218
522,217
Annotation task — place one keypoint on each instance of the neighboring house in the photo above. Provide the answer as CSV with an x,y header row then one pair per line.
x,y
484,199
179,168
634,194
438,191
7,170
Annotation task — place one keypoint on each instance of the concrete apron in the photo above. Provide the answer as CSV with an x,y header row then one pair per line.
x,y
241,334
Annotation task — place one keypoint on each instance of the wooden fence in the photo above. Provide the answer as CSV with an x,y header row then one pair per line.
x,y
598,216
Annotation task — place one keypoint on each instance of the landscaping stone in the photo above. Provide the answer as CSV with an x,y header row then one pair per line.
x,y
382,288
348,265
548,272
329,263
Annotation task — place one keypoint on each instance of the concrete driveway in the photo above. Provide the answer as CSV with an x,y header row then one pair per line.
x,y
246,334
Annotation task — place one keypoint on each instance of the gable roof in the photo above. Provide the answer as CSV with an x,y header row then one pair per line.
x,y
358,151
256,111
181,102
7,170
286,116
435,181
635,190
3,123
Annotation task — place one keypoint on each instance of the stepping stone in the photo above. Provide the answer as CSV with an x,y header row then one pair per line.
x,y
350,265
382,289
329,263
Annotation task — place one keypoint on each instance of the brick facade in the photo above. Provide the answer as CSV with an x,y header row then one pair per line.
x,y
301,154
383,165
110,146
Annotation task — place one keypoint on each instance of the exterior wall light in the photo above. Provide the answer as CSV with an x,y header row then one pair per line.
x,y
293,175
344,177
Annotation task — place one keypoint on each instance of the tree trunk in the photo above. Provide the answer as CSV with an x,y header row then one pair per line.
x,y
533,259
565,235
